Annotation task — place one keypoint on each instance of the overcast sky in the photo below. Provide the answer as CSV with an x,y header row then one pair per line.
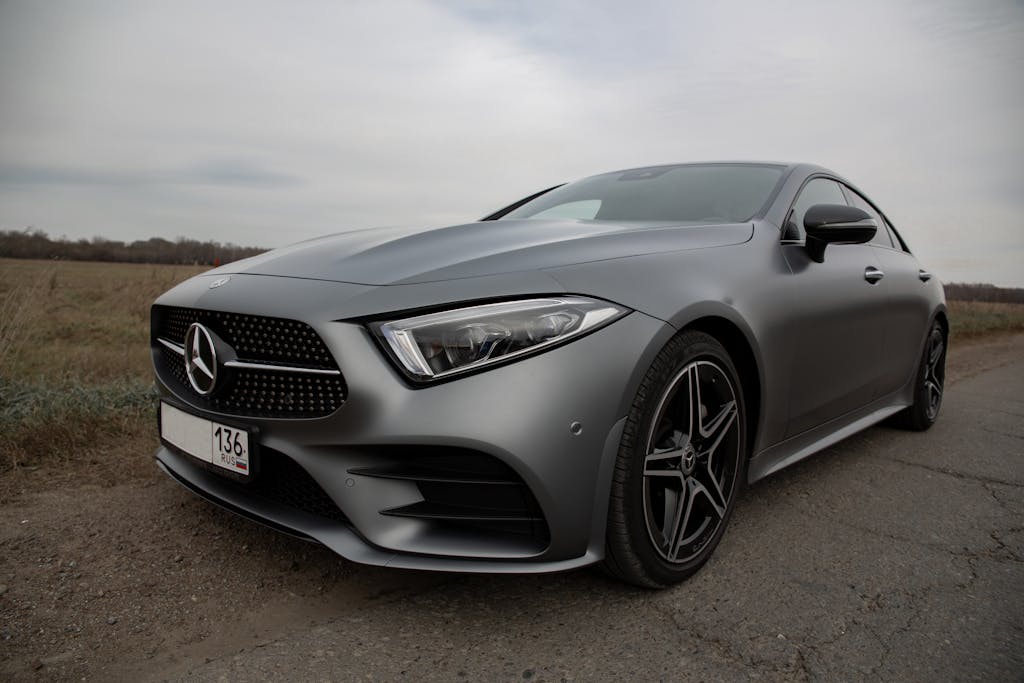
x,y
263,123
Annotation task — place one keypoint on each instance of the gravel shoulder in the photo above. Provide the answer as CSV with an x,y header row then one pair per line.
x,y
890,555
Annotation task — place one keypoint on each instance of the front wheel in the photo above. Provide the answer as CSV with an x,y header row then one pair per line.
x,y
680,465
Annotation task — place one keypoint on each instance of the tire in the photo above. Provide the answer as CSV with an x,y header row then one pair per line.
x,y
680,465
929,384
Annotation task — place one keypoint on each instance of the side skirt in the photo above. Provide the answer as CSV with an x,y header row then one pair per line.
x,y
796,448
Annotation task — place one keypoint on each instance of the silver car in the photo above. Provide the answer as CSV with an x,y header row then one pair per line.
x,y
587,375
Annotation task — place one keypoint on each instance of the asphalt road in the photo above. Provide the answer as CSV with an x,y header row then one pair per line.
x,y
892,556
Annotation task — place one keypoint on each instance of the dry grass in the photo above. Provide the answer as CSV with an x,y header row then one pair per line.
x,y
970,319
89,321
75,375
102,434
19,309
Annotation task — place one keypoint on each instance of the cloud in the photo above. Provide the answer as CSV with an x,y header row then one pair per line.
x,y
215,172
264,122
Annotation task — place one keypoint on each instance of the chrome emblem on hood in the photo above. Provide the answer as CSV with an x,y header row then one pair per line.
x,y
219,282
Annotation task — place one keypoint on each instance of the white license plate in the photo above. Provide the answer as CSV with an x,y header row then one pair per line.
x,y
213,442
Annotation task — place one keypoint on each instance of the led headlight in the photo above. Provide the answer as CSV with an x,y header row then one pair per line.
x,y
441,344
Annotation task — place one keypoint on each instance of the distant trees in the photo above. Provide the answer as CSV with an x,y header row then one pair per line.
x,y
36,244
959,291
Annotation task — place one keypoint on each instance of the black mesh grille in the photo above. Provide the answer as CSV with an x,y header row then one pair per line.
x,y
255,339
285,482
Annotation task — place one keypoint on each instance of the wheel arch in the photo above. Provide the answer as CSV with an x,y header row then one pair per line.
x,y
741,350
941,316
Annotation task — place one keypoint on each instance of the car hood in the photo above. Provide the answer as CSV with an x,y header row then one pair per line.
x,y
390,256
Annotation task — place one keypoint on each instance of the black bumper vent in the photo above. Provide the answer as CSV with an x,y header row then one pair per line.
x,y
283,481
286,482
465,491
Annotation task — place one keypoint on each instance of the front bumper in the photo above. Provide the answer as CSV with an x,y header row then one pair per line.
x,y
518,414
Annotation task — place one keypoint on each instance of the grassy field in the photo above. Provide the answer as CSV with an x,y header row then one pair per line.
x,y
75,377
978,318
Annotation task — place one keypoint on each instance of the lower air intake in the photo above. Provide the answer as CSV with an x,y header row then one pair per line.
x,y
463,491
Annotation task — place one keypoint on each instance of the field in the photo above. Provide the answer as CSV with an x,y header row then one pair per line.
x,y
75,379
973,319
76,390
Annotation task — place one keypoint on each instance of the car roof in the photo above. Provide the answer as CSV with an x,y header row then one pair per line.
x,y
788,167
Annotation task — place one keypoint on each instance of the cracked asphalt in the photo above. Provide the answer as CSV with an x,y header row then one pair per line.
x,y
890,556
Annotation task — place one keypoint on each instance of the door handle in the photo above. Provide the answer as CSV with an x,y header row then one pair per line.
x,y
924,275
872,274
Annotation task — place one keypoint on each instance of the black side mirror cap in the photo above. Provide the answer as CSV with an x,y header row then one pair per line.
x,y
827,224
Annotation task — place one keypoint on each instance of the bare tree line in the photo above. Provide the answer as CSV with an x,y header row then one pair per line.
x,y
36,244
960,291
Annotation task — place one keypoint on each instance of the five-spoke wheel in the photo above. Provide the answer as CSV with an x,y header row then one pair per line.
x,y
690,462
680,464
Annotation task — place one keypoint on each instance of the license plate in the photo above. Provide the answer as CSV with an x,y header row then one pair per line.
x,y
219,444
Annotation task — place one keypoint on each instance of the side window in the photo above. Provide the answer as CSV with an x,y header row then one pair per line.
x,y
816,191
882,238
897,241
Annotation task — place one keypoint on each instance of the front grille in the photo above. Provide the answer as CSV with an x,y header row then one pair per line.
x,y
297,391
273,340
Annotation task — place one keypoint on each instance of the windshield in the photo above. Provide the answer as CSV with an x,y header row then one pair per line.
x,y
708,193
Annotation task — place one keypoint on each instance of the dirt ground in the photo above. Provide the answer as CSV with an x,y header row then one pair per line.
x,y
141,580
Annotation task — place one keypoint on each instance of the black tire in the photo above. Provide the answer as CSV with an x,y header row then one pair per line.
x,y
673,492
929,384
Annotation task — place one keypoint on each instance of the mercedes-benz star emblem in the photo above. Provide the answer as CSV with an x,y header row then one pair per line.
x,y
220,281
200,359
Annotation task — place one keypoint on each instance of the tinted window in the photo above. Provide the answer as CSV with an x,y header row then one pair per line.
x,y
719,193
816,191
897,241
585,209
882,237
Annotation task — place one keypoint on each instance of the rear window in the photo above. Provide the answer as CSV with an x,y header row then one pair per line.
x,y
710,193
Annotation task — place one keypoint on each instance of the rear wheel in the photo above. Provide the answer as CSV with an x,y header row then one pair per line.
x,y
928,385
680,464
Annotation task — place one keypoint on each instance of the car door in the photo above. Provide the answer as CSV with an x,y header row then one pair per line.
x,y
835,319
907,310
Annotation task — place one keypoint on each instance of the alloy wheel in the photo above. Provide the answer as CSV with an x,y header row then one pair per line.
x,y
934,372
691,461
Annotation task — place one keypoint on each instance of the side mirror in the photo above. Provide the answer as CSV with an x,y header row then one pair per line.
x,y
836,224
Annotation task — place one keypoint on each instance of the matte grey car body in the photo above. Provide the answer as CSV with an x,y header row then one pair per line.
x,y
821,349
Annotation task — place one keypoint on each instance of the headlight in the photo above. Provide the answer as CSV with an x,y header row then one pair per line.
x,y
441,344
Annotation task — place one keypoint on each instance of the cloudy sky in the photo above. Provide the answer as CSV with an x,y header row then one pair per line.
x,y
262,123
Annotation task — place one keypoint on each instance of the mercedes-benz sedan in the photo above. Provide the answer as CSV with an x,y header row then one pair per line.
x,y
588,375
